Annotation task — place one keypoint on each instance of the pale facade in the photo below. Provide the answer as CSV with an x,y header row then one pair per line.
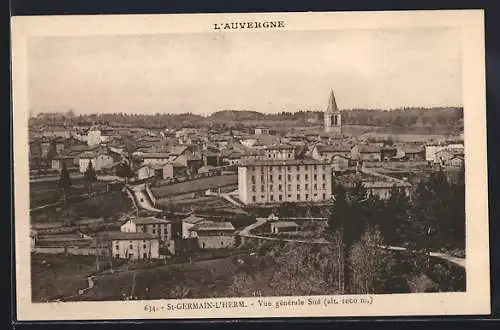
x,y
94,137
278,181
145,172
156,158
261,130
124,248
159,228
280,152
128,245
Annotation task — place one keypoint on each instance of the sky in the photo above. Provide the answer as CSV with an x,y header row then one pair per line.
x,y
261,71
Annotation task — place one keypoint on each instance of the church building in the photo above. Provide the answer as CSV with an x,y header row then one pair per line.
x,y
333,118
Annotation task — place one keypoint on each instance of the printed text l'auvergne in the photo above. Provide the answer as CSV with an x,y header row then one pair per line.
x,y
249,25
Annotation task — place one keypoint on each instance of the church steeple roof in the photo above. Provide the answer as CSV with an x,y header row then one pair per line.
x,y
332,104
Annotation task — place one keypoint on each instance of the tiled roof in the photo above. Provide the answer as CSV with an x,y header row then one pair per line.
x,y
369,149
280,146
119,235
177,150
153,155
284,162
148,220
282,224
333,148
193,219
208,226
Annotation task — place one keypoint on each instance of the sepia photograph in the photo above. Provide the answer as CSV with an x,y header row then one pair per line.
x,y
185,166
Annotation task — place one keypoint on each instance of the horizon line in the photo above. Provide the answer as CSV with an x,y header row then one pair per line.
x,y
207,114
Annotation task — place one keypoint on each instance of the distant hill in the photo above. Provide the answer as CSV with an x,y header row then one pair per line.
x,y
423,119
237,115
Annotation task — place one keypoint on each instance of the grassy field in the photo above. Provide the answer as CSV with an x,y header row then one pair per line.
x,y
42,193
405,137
107,205
195,185
194,203
57,276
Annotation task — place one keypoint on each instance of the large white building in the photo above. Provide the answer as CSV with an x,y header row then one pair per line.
x,y
269,181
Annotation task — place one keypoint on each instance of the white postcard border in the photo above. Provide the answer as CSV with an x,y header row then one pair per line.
x,y
475,301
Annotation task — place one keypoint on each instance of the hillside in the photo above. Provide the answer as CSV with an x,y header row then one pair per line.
x,y
449,119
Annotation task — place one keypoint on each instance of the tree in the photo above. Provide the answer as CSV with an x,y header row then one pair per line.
x,y
90,177
299,271
396,212
65,182
51,153
369,264
123,170
339,210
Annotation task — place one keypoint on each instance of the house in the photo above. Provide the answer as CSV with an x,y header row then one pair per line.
x,y
156,227
326,152
214,235
99,159
366,153
188,223
248,142
387,153
383,189
280,151
261,130
206,170
212,159
278,227
174,170
56,131
432,150
145,172
414,154
455,162
155,158
378,185
250,154
128,245
340,162
232,158
444,155
180,154
61,144
94,136
194,162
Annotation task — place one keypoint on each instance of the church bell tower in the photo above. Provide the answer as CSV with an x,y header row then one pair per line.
x,y
333,118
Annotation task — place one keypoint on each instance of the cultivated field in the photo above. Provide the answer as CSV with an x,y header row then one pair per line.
x,y
46,192
199,185
107,205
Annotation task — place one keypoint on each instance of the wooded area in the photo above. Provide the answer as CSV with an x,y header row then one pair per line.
x,y
402,117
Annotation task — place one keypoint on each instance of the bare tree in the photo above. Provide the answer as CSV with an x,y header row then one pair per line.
x,y
369,263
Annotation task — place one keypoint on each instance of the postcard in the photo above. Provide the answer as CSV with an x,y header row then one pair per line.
x,y
250,165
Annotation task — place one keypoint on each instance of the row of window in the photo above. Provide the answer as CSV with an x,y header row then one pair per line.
x,y
279,155
280,197
289,167
289,177
289,187
131,246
